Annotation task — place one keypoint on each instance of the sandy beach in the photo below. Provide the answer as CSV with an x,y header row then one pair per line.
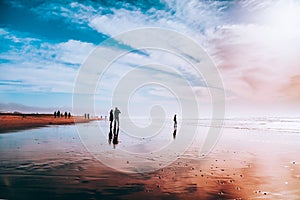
x,y
197,99
52,162
14,122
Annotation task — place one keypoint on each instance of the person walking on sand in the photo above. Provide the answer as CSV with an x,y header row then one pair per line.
x,y
116,114
111,117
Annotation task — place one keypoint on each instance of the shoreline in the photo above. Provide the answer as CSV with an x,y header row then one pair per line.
x,y
244,164
17,122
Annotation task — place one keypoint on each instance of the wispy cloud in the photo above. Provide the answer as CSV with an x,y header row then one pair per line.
x,y
255,44
39,65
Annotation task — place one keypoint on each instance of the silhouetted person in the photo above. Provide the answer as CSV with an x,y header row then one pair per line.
x,y
174,133
110,136
66,115
175,121
116,135
116,114
84,115
111,117
58,114
54,114
69,115
61,115
88,116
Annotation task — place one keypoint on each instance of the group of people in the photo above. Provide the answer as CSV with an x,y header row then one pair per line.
x,y
59,114
114,120
114,117
86,116
115,123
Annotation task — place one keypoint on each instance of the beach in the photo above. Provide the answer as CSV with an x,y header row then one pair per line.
x,y
248,162
15,122
163,99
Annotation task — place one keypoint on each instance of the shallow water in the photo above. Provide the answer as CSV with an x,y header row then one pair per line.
x,y
57,162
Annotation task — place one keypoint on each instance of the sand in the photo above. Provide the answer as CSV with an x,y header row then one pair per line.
x,y
52,163
11,122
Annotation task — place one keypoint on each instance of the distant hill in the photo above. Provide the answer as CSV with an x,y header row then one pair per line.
x,y
20,108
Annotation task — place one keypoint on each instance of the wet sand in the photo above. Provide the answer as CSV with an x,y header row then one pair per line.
x,y
11,122
52,163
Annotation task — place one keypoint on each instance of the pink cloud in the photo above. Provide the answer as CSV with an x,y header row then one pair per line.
x,y
255,63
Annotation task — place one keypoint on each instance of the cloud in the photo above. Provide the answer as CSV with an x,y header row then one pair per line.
x,y
255,45
292,88
254,60
74,12
41,66
73,51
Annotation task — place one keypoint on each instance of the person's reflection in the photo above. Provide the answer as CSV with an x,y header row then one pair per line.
x,y
116,135
110,135
175,126
174,133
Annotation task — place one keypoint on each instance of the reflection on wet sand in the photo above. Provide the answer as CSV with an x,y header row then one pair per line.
x,y
116,135
51,163
174,133
175,127
115,125
110,134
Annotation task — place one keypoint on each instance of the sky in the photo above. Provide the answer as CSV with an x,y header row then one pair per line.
x,y
254,44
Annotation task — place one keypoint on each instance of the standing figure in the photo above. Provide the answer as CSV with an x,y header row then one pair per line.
x,y
69,115
54,114
58,114
175,121
117,120
66,115
111,117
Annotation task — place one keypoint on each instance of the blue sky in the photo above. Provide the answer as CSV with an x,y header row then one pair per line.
x,y
43,45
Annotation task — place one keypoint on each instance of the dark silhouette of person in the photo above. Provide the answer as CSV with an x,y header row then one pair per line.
x,y
88,116
84,115
110,136
69,115
116,135
111,118
61,115
66,115
58,114
54,114
175,121
116,114
174,133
